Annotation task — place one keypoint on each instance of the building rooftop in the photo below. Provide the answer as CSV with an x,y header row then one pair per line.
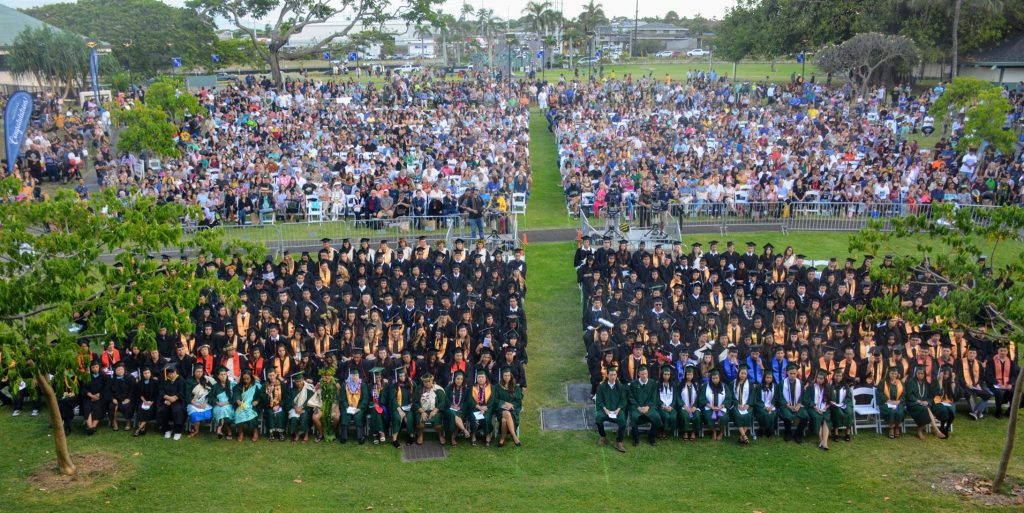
x,y
12,22
1010,51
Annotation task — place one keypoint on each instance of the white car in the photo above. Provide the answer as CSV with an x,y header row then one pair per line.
x,y
407,68
664,54
699,52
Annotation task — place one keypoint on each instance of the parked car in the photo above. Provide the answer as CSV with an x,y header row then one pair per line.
x,y
407,68
698,52
664,54
587,60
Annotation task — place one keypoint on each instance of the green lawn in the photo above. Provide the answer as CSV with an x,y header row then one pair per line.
x,y
875,473
677,70
546,208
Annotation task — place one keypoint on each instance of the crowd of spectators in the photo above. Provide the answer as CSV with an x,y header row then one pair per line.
x,y
708,143
406,145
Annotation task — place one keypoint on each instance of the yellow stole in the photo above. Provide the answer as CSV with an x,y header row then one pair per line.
x,y
353,399
887,391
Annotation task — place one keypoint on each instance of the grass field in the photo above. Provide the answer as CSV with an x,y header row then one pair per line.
x,y
874,473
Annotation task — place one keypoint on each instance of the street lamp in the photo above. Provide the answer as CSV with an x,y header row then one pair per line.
x,y
128,58
590,60
509,39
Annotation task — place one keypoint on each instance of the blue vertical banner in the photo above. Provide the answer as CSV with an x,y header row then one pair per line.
x,y
327,56
16,118
800,58
176,62
94,70
353,56
216,58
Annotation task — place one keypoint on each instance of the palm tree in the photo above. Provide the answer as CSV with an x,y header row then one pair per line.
x,y
487,25
957,6
536,15
592,16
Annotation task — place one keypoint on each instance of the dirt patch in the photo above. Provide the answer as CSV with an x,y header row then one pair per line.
x,y
979,489
93,468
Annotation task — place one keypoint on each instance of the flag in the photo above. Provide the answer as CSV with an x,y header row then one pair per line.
x,y
176,62
800,58
16,118
94,69
216,58
327,56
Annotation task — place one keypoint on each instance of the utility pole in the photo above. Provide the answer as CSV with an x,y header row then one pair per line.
x,y
636,23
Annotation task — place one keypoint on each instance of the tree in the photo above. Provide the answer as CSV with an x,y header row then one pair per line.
x,y
985,109
291,16
144,130
487,25
592,16
154,31
736,33
169,97
956,6
864,54
983,300
672,17
57,60
52,276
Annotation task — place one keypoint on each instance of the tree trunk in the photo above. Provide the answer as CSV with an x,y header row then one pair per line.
x,y
60,442
956,39
274,59
1011,429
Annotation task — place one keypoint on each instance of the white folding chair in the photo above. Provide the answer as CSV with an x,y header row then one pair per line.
x,y
518,202
314,209
866,410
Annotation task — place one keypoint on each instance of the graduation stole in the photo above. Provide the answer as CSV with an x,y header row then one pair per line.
x,y
483,394
687,394
877,370
396,346
849,367
742,392
460,366
791,391
257,367
632,365
779,332
1002,371
109,359
375,394
274,395
353,397
768,394
839,394
820,396
715,398
735,332
805,370
325,276
235,367
283,366
828,365
947,392
887,390
207,362
242,322
970,372
716,301
320,344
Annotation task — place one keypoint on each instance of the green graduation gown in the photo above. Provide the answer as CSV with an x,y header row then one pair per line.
x,y
765,410
944,402
377,411
841,408
919,391
482,398
708,398
357,417
644,395
668,406
255,404
440,403
275,418
298,421
611,398
689,394
812,402
397,405
891,414
742,396
515,398
459,405
790,394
